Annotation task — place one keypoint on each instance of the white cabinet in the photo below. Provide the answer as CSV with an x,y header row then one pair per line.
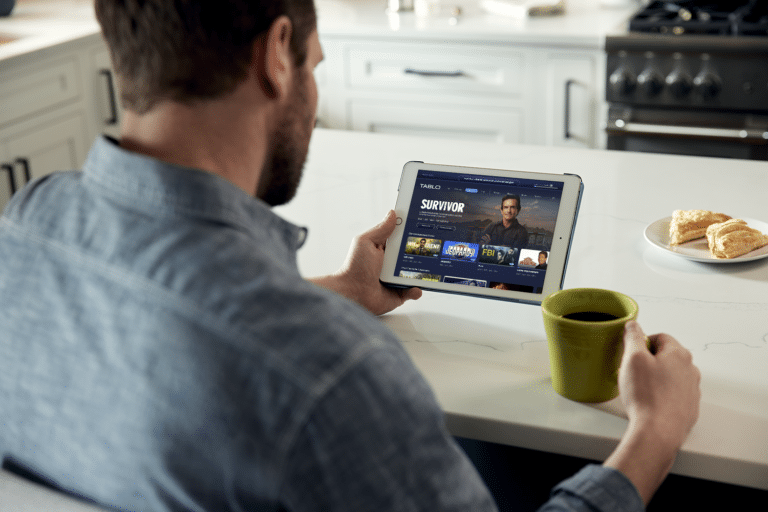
x,y
572,105
445,121
52,145
43,125
53,103
467,90
451,69
458,91
38,87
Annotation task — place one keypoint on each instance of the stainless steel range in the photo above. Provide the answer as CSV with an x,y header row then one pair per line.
x,y
691,78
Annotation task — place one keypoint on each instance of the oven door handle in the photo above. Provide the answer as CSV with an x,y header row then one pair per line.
x,y
745,135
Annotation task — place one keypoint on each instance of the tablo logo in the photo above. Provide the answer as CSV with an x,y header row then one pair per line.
x,y
433,187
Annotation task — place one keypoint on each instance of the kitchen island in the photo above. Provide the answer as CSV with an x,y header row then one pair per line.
x,y
487,360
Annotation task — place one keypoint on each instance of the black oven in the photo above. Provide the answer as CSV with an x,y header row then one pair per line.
x,y
691,78
719,134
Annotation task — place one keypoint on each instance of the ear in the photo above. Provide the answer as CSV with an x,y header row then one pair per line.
x,y
273,58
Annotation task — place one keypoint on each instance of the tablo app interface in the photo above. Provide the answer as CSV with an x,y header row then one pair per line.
x,y
473,230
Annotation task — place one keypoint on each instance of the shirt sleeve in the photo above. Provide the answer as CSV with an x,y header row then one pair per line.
x,y
376,440
487,231
595,489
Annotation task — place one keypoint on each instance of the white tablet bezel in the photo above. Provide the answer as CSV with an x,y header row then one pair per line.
x,y
558,254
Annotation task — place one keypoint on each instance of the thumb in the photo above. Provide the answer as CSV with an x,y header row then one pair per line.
x,y
410,294
634,337
380,233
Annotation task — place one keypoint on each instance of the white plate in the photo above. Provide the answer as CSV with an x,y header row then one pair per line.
x,y
657,233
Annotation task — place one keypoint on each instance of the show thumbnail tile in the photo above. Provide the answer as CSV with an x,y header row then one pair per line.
x,y
460,251
422,246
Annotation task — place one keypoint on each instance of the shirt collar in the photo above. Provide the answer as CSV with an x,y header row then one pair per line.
x,y
147,183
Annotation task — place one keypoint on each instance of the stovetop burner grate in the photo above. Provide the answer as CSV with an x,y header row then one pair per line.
x,y
728,18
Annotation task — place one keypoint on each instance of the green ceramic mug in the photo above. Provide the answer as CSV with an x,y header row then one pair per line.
x,y
585,328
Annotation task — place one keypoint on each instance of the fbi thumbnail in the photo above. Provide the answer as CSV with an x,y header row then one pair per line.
x,y
497,255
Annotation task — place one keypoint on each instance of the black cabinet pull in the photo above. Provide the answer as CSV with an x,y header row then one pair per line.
x,y
25,165
567,121
111,91
11,178
435,74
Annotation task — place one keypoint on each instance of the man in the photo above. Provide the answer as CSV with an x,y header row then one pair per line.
x,y
508,231
542,260
505,255
422,249
160,350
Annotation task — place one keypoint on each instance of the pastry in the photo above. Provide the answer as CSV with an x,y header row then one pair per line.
x,y
721,228
734,238
691,224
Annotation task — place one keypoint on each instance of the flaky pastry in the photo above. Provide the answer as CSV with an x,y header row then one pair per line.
x,y
688,225
733,238
721,228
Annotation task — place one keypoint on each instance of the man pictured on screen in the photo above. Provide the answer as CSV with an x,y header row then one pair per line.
x,y
422,249
160,350
508,231
542,260
505,256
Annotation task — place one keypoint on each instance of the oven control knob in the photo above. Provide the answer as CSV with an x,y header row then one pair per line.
x,y
651,82
622,81
707,84
679,83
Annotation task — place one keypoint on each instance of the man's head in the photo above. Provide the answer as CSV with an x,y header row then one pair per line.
x,y
542,257
423,242
282,170
510,207
196,52
190,50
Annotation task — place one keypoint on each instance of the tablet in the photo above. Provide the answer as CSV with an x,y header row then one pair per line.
x,y
492,233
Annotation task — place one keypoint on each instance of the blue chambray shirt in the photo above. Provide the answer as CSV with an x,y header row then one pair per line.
x,y
159,351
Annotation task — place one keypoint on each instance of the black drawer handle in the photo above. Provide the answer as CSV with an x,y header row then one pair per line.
x,y
567,108
11,178
111,92
434,74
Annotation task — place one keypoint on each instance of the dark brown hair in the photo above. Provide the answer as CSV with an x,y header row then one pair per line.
x,y
187,50
512,196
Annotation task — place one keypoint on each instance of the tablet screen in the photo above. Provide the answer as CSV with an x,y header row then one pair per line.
x,y
485,231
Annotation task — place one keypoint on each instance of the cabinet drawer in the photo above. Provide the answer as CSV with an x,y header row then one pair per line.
x,y
55,144
435,69
444,121
30,90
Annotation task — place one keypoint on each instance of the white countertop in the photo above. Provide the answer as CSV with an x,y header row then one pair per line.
x,y
487,360
39,24
584,24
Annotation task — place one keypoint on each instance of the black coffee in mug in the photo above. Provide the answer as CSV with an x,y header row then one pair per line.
x,y
590,316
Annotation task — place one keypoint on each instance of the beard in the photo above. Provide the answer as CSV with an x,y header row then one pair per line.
x,y
288,149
